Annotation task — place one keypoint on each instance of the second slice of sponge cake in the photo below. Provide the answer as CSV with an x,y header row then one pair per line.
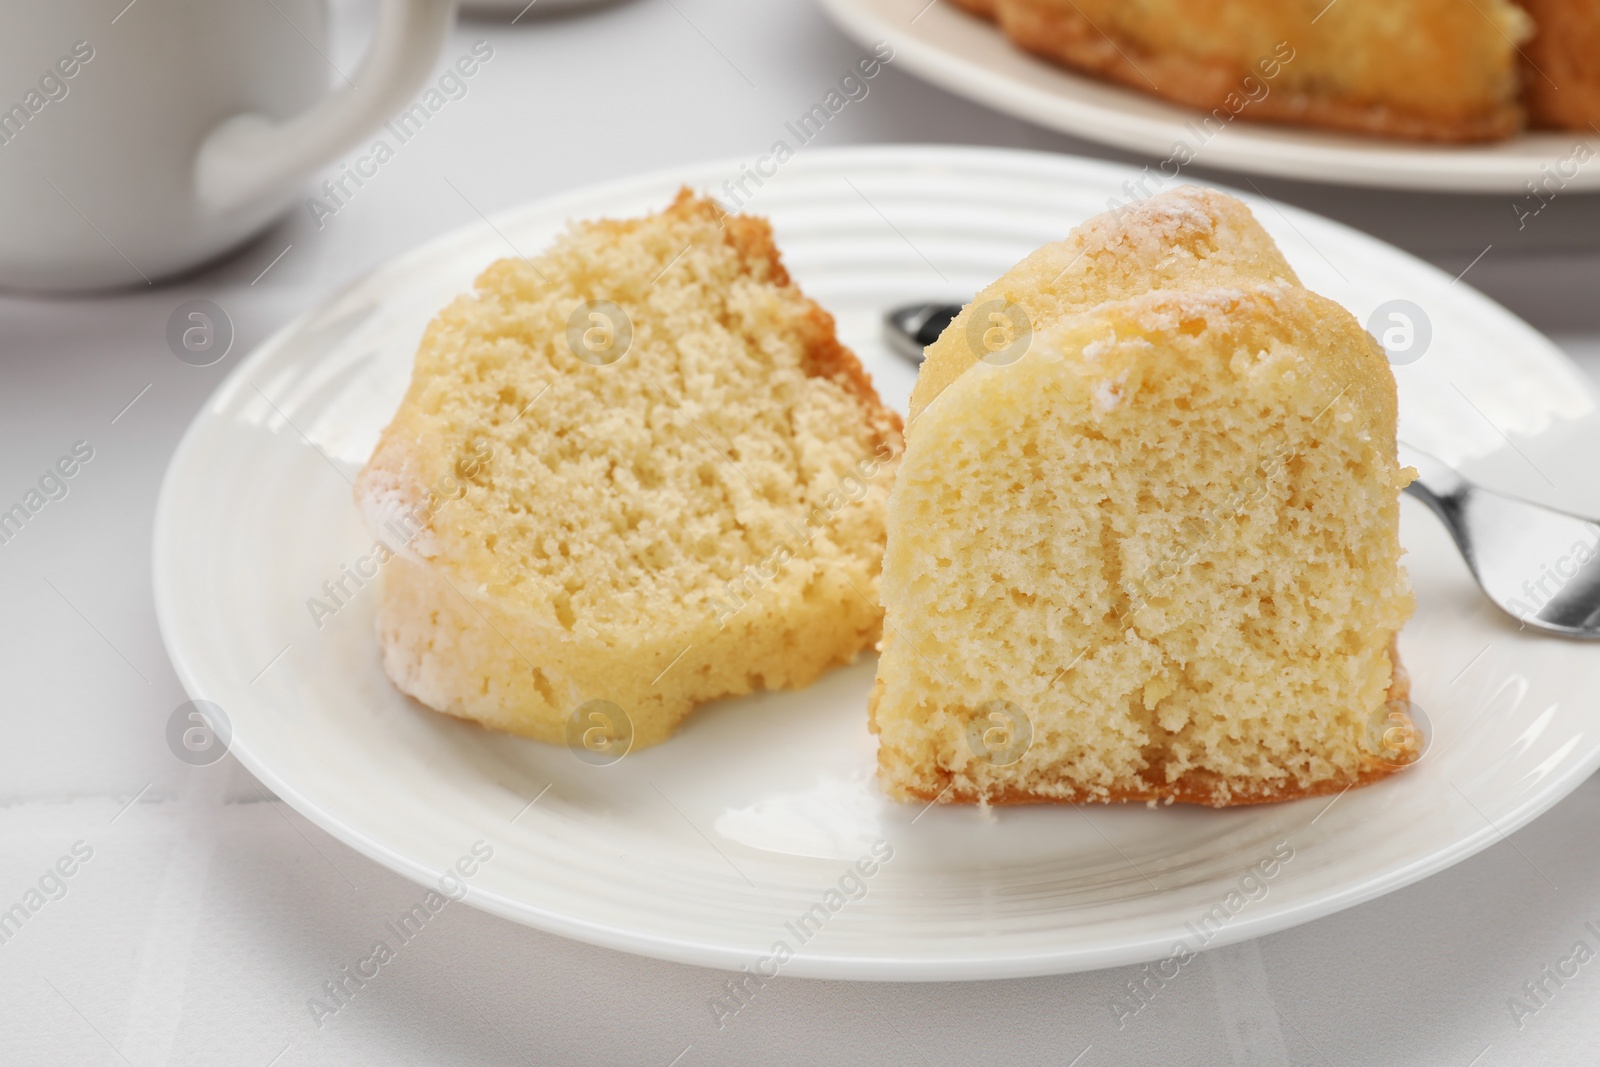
x,y
1144,539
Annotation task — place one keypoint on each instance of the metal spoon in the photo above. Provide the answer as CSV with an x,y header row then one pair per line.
x,y
1539,565
909,329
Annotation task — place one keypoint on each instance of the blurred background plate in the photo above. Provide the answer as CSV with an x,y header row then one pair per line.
x,y
972,58
709,848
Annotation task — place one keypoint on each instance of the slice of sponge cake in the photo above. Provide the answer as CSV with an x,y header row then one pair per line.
x,y
1143,543
638,469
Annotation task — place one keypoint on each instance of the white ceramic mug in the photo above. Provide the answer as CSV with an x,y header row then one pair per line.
x,y
139,139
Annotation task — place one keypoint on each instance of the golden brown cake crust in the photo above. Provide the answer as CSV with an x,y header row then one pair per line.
x,y
1062,32
825,356
1561,65
1192,788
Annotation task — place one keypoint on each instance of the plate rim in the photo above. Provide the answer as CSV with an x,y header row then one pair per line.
x,y
698,952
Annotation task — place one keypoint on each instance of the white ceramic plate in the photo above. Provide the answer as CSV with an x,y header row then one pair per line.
x,y
704,848
971,57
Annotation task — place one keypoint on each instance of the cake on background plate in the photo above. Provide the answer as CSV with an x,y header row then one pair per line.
x,y
1430,70
1561,65
638,469
1143,542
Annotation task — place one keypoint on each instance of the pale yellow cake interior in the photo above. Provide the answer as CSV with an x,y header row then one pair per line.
x,y
701,517
1163,542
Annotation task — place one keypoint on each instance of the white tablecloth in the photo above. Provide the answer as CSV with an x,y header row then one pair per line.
x,y
201,914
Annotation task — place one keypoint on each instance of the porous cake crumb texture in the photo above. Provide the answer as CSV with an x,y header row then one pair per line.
x,y
1163,543
701,517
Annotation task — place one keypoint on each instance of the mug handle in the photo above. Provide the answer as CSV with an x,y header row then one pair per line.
x,y
248,158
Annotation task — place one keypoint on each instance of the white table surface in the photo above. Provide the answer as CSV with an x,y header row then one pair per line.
x,y
209,912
